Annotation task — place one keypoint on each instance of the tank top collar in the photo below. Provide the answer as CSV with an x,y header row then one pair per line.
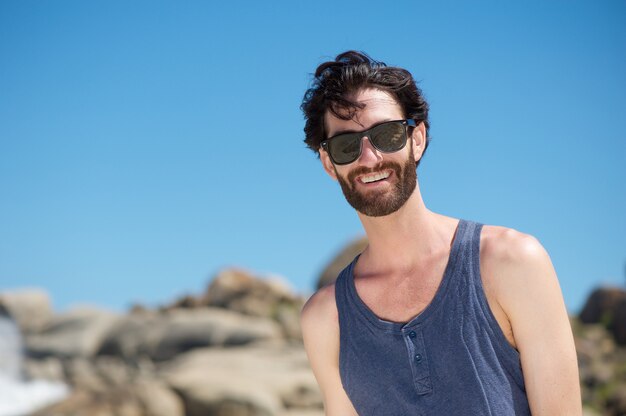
x,y
426,313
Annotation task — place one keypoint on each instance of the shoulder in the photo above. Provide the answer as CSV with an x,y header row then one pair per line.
x,y
319,311
320,334
506,246
515,267
511,260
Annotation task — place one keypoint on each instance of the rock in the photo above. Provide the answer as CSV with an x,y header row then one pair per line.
x,y
602,366
618,324
593,343
145,398
607,306
158,400
288,316
138,308
212,327
107,386
133,336
187,301
162,336
76,333
252,380
83,374
616,402
100,374
240,291
219,400
598,373
338,263
113,371
601,304
301,412
304,396
30,308
49,368
83,402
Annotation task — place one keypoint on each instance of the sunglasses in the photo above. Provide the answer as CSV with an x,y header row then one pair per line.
x,y
388,137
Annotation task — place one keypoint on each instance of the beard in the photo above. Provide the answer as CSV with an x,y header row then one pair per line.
x,y
378,203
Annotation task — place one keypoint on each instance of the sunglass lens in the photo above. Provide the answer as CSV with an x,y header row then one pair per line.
x,y
345,148
389,137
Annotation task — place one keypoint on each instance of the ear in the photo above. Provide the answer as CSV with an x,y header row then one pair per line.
x,y
419,140
328,164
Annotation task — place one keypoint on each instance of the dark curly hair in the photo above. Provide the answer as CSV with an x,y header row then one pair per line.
x,y
350,72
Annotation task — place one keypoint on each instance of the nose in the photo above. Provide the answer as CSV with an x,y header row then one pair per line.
x,y
370,156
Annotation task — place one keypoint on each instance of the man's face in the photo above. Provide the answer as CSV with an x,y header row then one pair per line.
x,y
377,183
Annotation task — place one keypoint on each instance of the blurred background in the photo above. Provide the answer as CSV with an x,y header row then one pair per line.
x,y
148,146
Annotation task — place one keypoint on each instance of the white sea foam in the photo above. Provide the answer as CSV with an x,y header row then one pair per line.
x,y
19,397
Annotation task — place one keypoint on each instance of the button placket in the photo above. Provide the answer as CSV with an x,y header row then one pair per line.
x,y
414,341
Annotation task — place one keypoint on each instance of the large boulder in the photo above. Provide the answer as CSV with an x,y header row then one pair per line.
x,y
30,308
163,335
246,381
76,333
341,260
241,291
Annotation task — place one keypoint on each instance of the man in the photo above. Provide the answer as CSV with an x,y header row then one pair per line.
x,y
437,316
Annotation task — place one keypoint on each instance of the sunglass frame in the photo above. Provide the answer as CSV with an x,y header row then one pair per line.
x,y
406,123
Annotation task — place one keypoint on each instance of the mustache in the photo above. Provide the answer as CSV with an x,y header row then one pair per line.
x,y
397,169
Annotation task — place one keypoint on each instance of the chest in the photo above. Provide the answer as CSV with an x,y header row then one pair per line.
x,y
400,297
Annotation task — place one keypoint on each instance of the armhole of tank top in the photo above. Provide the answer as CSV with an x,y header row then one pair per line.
x,y
340,293
510,354
341,297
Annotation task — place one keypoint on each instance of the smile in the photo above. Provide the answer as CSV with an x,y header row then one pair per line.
x,y
375,177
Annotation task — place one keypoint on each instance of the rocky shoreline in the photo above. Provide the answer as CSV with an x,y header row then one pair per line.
x,y
234,350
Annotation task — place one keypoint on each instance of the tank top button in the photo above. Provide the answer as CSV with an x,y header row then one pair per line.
x,y
418,357
412,334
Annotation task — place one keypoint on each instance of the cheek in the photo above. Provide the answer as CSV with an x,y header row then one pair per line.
x,y
342,171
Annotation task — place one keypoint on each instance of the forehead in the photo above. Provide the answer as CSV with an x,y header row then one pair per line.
x,y
377,105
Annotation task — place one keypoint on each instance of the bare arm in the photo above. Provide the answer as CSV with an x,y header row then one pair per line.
x,y
320,331
528,291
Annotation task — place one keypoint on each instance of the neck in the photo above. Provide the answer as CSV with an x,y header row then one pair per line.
x,y
408,236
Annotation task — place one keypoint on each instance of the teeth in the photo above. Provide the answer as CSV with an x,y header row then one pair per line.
x,y
375,177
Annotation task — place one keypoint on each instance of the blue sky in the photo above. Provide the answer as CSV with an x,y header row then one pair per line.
x,y
146,145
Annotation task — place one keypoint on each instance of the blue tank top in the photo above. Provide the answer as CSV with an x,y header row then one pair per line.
x,y
451,359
